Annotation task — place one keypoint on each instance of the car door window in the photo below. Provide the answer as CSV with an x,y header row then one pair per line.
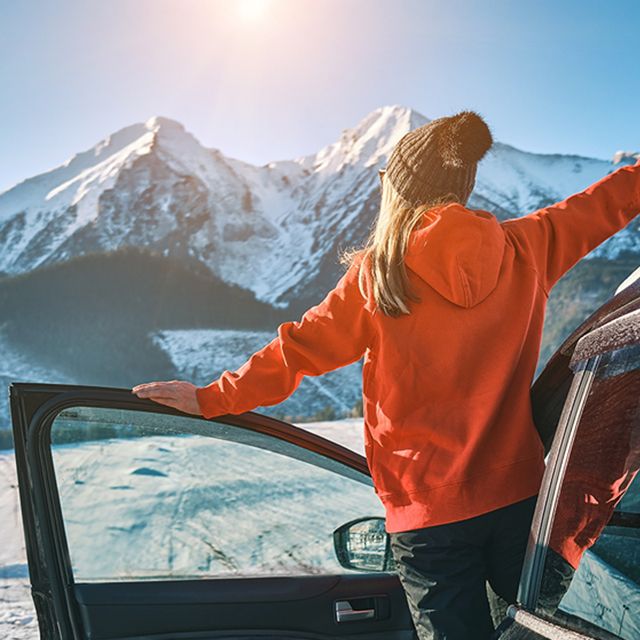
x,y
591,576
160,496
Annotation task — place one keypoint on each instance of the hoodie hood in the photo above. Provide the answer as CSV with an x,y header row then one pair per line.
x,y
458,252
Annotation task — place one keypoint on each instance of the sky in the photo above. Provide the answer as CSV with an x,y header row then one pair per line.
x,y
265,80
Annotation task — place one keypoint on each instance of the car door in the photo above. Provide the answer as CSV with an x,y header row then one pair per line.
x,y
581,576
143,522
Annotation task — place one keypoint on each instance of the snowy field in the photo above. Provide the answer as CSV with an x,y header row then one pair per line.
x,y
184,505
201,355
17,616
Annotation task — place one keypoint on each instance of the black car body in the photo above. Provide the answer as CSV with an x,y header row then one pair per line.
x,y
142,522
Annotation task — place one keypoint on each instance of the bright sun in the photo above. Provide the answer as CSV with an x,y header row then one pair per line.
x,y
252,9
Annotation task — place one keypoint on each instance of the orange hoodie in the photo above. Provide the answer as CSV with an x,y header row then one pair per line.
x,y
446,389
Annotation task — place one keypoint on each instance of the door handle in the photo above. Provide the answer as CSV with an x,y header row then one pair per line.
x,y
346,613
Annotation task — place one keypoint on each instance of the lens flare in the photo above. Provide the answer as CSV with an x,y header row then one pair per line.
x,y
252,9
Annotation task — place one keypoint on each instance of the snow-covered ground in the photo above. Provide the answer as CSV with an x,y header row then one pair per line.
x,y
180,474
180,505
17,615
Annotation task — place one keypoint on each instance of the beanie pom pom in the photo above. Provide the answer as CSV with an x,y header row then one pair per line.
x,y
466,139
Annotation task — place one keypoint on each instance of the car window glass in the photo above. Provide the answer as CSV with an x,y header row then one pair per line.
x,y
591,576
155,496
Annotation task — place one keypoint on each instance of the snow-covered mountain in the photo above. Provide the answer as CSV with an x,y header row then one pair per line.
x,y
138,258
274,229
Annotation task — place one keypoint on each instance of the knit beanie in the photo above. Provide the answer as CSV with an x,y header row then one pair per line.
x,y
440,158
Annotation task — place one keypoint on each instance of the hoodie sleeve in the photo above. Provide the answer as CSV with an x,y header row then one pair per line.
x,y
330,335
556,237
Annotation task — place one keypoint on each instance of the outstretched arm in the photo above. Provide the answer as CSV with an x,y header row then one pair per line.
x,y
334,333
556,237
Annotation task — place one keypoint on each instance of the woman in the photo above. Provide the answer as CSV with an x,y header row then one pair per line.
x,y
446,304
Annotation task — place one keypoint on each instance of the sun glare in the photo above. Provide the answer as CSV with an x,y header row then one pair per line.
x,y
252,9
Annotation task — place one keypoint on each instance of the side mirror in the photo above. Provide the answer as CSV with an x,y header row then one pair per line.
x,y
364,544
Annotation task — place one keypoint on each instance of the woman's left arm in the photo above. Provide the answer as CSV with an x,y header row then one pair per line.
x,y
332,334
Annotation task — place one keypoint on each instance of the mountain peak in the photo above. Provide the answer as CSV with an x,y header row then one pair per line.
x,y
401,112
160,123
369,142
389,121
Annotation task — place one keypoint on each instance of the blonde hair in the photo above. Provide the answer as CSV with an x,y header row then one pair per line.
x,y
384,251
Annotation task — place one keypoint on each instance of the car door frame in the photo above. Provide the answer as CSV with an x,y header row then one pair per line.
x,y
34,406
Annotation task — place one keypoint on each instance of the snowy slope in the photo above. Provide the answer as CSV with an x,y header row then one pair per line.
x,y
513,182
202,355
273,229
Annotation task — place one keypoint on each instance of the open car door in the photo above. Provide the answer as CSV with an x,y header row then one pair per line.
x,y
144,522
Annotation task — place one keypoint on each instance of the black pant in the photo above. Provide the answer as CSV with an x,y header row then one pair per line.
x,y
444,570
